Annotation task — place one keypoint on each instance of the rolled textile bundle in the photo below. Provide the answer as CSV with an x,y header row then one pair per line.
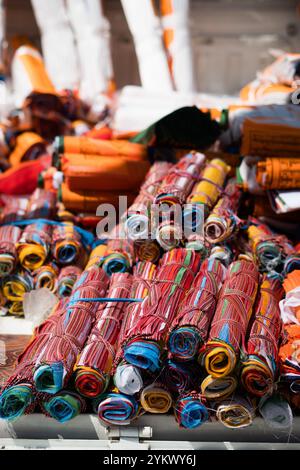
x,y
229,325
236,412
93,367
169,234
260,368
34,245
63,406
193,219
190,411
278,173
180,378
117,409
18,395
66,244
46,276
66,280
148,335
119,255
97,255
41,205
14,209
223,253
290,306
190,327
14,287
178,183
289,356
9,237
276,412
156,398
55,364
291,263
107,174
86,145
127,378
147,250
218,388
223,221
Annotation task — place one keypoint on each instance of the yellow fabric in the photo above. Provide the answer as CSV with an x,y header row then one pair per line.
x,y
221,360
36,71
218,388
96,256
155,399
32,256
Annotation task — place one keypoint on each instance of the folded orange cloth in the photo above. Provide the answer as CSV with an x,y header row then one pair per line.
x,y
88,201
103,173
279,173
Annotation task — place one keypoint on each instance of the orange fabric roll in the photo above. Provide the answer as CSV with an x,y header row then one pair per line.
x,y
86,145
279,173
24,143
88,201
292,281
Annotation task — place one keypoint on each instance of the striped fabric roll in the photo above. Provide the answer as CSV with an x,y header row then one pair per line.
x,y
41,205
9,237
190,327
66,244
46,276
148,336
190,411
97,256
63,406
66,280
34,245
218,388
117,409
259,370
119,255
55,364
229,325
236,412
14,288
93,367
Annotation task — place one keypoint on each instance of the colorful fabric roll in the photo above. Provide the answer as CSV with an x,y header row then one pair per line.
x,y
55,364
66,280
190,411
93,367
41,205
14,287
97,255
237,412
223,221
148,336
46,276
218,388
190,327
119,254
169,234
9,237
147,250
180,377
259,370
229,325
222,253
34,245
291,263
117,409
63,406
156,399
66,244
290,306
178,183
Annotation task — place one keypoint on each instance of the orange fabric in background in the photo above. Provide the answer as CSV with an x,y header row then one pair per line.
x,y
36,71
279,173
256,91
24,142
90,146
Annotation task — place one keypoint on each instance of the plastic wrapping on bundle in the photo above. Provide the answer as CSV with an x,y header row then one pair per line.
x,y
66,280
93,366
229,325
9,237
34,245
190,327
66,244
276,412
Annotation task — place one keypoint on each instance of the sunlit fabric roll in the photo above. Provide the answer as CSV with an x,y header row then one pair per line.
x,y
156,398
223,221
278,173
193,223
190,411
14,287
211,183
117,409
55,364
63,406
180,377
46,276
66,280
221,253
236,412
218,388
66,244
169,235
178,183
230,322
93,366
34,245
9,237
149,335
41,205
259,370
119,255
97,255
276,412
190,327
128,378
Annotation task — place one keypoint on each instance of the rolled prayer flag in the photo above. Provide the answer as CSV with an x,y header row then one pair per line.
x,y
55,364
14,287
190,411
278,173
9,237
156,398
229,325
117,409
223,253
63,406
66,280
190,326
119,254
97,255
66,244
93,366
46,276
260,368
218,388
34,245
236,412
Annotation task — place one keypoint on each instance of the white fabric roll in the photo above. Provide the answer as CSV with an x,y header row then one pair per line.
x,y
128,379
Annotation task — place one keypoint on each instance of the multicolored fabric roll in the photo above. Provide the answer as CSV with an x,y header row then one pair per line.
x,y
229,325
55,364
156,398
66,244
223,253
237,412
218,388
260,368
147,250
190,327
223,221
34,245
93,367
180,377
66,280
63,406
190,411
291,263
148,335
46,276
41,205
119,255
9,237
118,409
97,255
14,287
